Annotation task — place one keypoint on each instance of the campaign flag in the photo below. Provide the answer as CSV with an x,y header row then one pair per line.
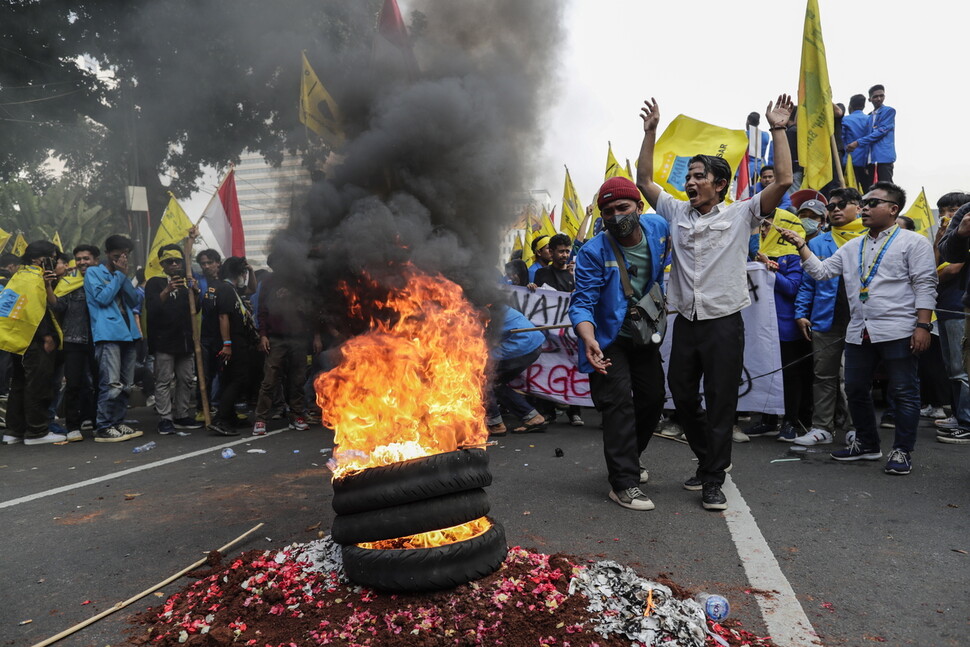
x,y
546,227
922,214
172,229
572,208
57,241
223,219
390,25
686,137
517,245
19,245
613,166
816,122
850,178
773,245
530,234
4,237
23,303
742,183
318,110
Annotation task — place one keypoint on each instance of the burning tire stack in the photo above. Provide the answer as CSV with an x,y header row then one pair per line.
x,y
381,510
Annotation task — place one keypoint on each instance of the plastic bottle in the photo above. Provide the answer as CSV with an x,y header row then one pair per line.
x,y
716,607
228,453
147,447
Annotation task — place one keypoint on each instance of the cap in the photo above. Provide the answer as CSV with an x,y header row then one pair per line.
x,y
814,206
617,188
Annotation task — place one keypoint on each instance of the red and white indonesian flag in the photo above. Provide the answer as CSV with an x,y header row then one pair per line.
x,y
222,220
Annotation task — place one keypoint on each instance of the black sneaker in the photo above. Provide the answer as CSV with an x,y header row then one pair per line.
x,y
713,498
220,428
899,463
762,429
954,436
693,484
632,498
109,435
187,423
165,427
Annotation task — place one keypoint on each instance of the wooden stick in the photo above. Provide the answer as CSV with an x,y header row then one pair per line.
x,y
837,161
541,328
196,344
122,605
673,438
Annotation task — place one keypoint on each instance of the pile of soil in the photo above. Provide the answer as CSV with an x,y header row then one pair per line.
x,y
274,598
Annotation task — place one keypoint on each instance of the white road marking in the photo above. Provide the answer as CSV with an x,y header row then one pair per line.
x,y
133,470
787,623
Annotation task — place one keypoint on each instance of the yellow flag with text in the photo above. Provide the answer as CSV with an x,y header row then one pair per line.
x,y
572,208
530,234
318,110
816,122
686,137
19,245
173,229
773,245
922,214
4,237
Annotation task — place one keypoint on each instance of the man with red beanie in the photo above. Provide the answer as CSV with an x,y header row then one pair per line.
x,y
626,375
708,288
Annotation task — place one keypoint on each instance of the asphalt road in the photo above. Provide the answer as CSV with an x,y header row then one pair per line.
x,y
870,557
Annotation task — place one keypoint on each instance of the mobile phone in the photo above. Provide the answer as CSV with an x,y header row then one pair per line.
x,y
47,263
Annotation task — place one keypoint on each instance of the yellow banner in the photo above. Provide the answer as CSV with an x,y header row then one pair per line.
x,y
19,245
23,303
773,245
318,110
686,137
816,122
921,213
173,228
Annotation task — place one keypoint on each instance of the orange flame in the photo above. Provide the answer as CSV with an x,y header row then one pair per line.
x,y
412,385
434,538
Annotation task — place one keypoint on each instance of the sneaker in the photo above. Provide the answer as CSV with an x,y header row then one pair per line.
x,y
576,420
150,401
762,429
632,498
929,411
849,437
693,484
187,423
713,498
899,463
887,422
49,437
498,429
671,429
109,435
75,436
739,436
299,424
259,429
12,440
955,437
855,452
166,427
815,436
946,423
220,428
87,425
644,475
128,431
787,433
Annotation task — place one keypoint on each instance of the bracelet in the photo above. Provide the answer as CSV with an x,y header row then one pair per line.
x,y
800,248
778,128
227,343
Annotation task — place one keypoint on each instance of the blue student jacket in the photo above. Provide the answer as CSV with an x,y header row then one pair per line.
x,y
520,343
881,136
102,290
855,126
816,299
788,280
598,297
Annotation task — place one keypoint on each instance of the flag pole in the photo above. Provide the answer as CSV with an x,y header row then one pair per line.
x,y
196,345
837,161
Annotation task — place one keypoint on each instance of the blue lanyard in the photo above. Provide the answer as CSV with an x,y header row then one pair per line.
x,y
866,276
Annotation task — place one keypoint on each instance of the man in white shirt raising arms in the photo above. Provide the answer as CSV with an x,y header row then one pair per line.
x,y
890,280
708,288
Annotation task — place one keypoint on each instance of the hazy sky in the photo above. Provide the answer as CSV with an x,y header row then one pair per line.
x,y
717,61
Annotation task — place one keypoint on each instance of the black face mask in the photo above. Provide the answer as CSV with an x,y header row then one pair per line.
x,y
622,225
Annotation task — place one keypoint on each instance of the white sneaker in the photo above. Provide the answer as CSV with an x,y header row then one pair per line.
x,y
671,429
75,436
815,436
929,411
12,440
739,436
947,423
51,437
644,475
849,437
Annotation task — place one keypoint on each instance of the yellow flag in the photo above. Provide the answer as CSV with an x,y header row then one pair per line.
x,y
318,110
686,137
19,245
57,241
68,283
572,208
845,233
816,123
546,228
592,227
173,228
530,234
4,237
850,178
613,166
921,214
23,303
773,245
517,245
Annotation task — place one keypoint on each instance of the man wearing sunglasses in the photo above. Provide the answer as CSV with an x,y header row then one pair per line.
x,y
890,282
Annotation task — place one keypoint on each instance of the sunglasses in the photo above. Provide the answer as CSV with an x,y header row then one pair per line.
x,y
170,261
832,206
872,203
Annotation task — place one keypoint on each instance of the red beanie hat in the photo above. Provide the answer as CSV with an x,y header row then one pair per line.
x,y
617,188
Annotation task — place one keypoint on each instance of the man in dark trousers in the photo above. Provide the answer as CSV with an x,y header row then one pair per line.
x,y
708,288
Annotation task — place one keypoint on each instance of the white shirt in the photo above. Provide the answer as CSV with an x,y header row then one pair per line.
x,y
904,282
708,275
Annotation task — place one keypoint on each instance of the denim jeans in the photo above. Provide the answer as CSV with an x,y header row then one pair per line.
x,y
505,371
901,366
951,338
116,370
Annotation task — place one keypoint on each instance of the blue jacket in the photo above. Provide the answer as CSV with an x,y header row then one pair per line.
x,y
881,136
102,290
816,299
598,297
788,279
855,126
520,343
785,199
533,269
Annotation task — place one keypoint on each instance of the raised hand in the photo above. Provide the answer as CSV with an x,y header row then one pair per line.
x,y
650,114
781,113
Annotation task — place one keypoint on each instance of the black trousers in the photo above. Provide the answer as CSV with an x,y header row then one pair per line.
x,y
80,385
880,172
863,177
28,414
712,349
236,380
799,375
631,397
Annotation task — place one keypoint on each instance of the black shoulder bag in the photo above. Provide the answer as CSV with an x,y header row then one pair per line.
x,y
648,316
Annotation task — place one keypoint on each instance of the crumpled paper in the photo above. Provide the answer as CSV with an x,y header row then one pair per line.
x,y
618,599
324,555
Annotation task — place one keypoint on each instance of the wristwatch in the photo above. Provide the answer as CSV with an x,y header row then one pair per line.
x,y
928,327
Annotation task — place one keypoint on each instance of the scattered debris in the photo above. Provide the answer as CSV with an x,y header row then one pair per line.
x,y
959,550
25,622
255,451
228,453
129,497
559,453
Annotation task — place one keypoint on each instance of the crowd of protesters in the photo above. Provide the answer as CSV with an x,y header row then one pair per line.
x,y
77,335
